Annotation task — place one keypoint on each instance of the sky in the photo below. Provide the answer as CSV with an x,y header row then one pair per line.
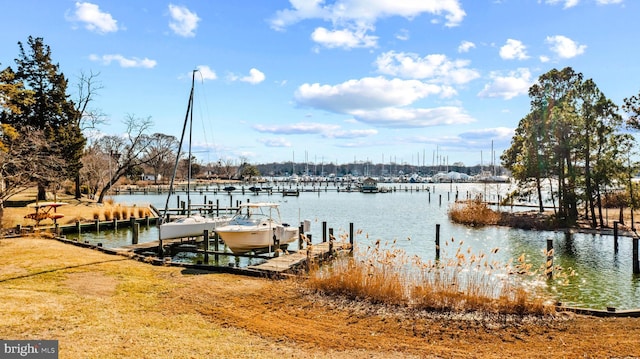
x,y
420,82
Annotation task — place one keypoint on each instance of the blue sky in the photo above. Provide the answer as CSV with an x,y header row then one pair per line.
x,y
416,82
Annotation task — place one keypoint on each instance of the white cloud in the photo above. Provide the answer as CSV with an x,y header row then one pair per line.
x,y
255,77
465,46
514,84
413,117
307,128
93,18
206,72
381,102
608,2
183,21
297,128
567,3
402,35
564,47
366,11
352,19
435,67
513,49
343,38
497,133
364,94
351,134
123,61
275,142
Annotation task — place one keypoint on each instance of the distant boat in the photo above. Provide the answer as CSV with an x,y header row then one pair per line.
x,y
229,189
291,192
191,225
369,185
256,226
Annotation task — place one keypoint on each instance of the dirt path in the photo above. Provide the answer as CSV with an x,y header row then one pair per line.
x,y
282,312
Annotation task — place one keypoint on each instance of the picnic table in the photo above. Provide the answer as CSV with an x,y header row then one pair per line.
x,y
43,210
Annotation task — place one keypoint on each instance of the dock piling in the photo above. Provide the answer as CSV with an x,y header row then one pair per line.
x,y
549,266
437,242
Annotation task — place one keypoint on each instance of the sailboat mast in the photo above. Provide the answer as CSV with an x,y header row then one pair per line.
x,y
179,152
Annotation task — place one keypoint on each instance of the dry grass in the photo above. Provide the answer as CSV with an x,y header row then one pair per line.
x,y
473,213
76,211
464,283
102,306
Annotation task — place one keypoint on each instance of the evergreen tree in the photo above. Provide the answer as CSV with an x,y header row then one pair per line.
x,y
51,109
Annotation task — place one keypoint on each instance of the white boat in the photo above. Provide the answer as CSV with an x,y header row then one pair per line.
x,y
257,226
191,225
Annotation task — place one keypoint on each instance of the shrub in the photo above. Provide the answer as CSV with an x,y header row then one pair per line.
x,y
473,213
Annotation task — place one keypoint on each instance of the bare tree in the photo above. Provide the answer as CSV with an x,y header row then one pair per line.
x,y
95,169
25,160
88,88
161,154
126,152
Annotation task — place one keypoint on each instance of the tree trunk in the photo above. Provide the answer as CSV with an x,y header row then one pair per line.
x,y
78,192
539,188
42,192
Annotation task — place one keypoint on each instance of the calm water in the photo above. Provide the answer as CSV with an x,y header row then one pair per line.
x,y
603,278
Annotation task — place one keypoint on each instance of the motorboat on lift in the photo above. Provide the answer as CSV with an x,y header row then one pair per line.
x,y
257,226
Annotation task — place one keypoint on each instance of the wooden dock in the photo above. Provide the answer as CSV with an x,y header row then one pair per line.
x,y
274,266
286,263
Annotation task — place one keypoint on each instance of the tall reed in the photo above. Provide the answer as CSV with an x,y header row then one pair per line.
x,y
459,283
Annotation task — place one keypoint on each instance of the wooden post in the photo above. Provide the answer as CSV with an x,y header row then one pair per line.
x,y
330,240
146,220
160,249
429,197
136,232
300,235
549,266
615,236
636,265
351,239
217,208
440,200
216,243
206,246
132,221
115,224
97,224
57,230
437,242
78,227
324,231
183,207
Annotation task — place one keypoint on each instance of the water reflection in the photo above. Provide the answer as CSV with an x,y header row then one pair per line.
x,y
603,277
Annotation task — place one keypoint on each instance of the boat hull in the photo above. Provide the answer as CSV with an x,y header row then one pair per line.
x,y
243,239
190,227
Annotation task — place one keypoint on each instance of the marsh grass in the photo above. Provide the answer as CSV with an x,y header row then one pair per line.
x,y
473,212
464,282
